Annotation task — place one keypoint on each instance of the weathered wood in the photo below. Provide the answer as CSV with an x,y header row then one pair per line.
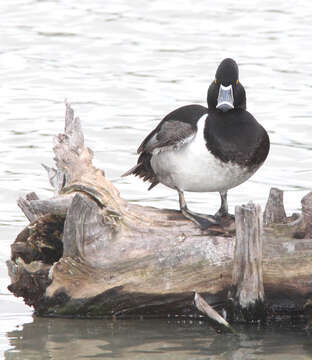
x,y
33,208
31,281
307,213
123,259
248,291
26,207
274,212
41,240
216,318
247,269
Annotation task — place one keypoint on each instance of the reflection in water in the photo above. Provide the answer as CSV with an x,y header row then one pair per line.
x,y
59,339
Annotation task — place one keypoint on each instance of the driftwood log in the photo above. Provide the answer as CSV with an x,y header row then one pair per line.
x,y
89,253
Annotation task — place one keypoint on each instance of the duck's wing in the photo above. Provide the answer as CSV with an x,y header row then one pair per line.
x,y
174,130
171,133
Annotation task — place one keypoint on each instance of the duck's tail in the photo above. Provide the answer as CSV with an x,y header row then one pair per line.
x,y
144,170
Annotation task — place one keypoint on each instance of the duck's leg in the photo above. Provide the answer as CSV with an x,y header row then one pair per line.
x,y
204,221
224,209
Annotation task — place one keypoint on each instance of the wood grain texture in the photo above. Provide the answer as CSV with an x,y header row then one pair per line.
x,y
247,267
274,212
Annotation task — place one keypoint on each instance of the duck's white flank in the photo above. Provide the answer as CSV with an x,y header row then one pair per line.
x,y
192,167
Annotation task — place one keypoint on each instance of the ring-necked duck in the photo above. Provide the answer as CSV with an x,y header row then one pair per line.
x,y
201,149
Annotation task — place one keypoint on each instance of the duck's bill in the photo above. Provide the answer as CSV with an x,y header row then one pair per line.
x,y
225,100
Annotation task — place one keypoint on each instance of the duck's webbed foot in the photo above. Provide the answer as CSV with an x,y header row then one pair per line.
x,y
204,221
221,214
224,210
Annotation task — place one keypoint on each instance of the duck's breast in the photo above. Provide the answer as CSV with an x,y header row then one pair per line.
x,y
192,167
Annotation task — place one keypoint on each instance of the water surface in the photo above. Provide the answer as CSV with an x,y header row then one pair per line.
x,y
152,339
124,65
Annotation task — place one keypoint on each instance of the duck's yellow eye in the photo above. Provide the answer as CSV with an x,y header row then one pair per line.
x,y
215,81
237,82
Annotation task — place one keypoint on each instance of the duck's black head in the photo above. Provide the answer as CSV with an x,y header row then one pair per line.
x,y
226,92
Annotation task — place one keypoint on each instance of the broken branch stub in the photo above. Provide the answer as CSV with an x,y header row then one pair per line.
x,y
306,203
274,212
213,316
247,279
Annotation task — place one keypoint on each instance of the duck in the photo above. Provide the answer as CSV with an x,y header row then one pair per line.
x,y
205,149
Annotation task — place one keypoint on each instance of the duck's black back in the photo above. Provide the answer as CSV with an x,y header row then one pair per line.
x,y
236,136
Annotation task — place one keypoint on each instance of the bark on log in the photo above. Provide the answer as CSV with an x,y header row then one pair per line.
x,y
120,258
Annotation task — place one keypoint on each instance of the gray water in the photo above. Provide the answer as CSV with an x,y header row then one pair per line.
x,y
124,65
